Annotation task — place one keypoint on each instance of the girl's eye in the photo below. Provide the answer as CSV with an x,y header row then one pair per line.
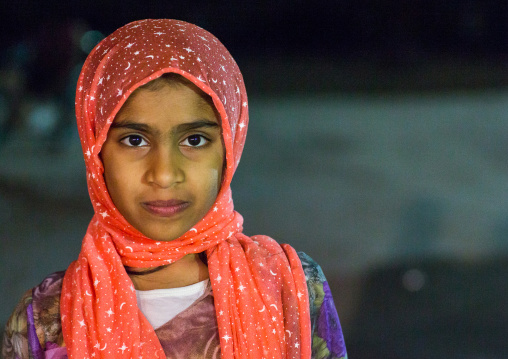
x,y
134,141
194,141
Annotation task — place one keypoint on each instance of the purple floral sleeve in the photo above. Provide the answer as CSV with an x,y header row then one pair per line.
x,y
327,337
34,329
15,340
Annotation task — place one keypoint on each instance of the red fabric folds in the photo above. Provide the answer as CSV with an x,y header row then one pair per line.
x,y
259,287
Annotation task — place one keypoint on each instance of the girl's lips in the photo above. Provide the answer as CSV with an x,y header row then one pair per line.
x,y
165,208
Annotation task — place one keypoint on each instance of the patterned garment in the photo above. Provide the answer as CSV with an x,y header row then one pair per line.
x,y
34,329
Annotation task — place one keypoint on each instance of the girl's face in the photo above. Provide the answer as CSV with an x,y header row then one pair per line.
x,y
163,160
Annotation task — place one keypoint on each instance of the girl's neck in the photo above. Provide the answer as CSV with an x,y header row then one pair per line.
x,y
186,271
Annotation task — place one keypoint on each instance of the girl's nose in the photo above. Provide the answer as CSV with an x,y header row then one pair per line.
x,y
164,168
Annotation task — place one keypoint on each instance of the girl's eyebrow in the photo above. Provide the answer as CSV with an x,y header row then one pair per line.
x,y
136,126
142,127
195,125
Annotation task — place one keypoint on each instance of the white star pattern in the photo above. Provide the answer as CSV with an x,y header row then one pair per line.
x,y
241,288
226,337
122,348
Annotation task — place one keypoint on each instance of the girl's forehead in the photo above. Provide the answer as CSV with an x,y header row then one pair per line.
x,y
169,96
168,100
176,81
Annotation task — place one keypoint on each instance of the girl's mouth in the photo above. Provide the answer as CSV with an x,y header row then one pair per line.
x,y
165,208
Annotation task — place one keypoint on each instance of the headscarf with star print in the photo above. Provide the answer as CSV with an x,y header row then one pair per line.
x,y
259,287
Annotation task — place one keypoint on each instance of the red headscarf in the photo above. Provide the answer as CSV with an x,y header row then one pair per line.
x,y
259,286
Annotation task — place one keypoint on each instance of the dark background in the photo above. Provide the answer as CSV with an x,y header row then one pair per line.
x,y
377,144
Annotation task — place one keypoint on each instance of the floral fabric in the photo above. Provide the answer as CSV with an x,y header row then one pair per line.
x,y
191,334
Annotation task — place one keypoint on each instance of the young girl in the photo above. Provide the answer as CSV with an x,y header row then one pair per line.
x,y
164,269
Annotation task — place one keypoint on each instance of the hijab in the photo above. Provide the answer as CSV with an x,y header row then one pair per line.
x,y
259,287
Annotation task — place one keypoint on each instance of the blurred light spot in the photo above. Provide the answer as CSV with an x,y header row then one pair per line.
x,y
43,118
89,40
413,280
21,55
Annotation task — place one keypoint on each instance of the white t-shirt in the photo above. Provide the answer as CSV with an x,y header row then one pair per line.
x,y
161,305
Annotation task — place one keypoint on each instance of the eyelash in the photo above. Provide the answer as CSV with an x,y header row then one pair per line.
x,y
206,141
126,141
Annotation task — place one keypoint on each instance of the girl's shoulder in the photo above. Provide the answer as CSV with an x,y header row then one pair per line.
x,y
327,336
35,325
312,270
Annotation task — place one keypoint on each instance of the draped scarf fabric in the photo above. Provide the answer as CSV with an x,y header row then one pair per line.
x,y
259,287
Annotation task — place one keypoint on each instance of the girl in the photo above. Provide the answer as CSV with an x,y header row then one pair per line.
x,y
164,269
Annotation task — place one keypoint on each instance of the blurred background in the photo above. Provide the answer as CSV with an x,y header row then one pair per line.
x,y
377,144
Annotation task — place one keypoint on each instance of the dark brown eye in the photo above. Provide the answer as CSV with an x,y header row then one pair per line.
x,y
195,141
134,141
